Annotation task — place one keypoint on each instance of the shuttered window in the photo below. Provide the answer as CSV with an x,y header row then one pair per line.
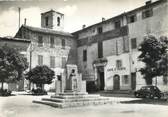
x,y
133,43
84,55
64,62
132,18
147,13
118,64
63,43
100,49
52,61
52,42
125,79
46,21
40,60
40,41
58,21
125,45
99,30
117,24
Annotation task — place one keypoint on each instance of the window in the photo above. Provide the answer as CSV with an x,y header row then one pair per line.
x,y
118,64
40,60
132,18
147,13
133,43
84,55
117,47
125,45
99,30
58,21
125,79
52,42
40,41
63,43
100,49
46,21
52,61
58,61
64,62
117,24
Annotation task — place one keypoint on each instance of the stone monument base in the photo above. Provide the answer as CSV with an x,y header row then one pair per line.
x,y
74,94
74,99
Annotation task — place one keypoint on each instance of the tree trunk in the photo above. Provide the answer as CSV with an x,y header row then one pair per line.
x,y
148,81
2,85
39,85
29,87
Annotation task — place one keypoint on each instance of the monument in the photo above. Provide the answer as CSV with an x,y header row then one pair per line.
x,y
70,81
71,91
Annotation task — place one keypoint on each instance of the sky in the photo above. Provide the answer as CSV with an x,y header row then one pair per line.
x,y
77,12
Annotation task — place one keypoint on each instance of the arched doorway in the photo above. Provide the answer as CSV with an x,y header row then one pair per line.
x,y
116,82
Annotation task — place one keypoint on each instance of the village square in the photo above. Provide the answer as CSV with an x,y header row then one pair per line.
x,y
115,67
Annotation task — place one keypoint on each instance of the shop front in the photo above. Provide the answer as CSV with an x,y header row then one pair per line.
x,y
117,73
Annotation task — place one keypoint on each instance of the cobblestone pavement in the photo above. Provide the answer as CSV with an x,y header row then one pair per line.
x,y
22,106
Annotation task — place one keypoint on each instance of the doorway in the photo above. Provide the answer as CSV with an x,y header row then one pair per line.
x,y
116,82
101,78
133,81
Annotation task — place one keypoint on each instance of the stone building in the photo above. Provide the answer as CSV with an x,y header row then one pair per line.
x,y
107,51
49,44
150,19
20,45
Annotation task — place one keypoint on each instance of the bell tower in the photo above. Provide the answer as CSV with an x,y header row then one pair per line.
x,y
52,20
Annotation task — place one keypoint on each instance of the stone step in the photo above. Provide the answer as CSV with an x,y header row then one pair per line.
x,y
53,104
119,92
74,104
73,93
54,100
74,100
75,96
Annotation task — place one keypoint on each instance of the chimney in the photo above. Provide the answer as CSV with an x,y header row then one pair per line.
x,y
103,19
148,2
83,26
25,21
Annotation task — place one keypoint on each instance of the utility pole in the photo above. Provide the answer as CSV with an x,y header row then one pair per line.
x,y
19,9
31,50
166,65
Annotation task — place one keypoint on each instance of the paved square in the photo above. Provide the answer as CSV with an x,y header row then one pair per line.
x,y
22,106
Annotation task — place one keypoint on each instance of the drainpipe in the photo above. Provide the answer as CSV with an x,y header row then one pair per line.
x,y
130,56
31,50
130,50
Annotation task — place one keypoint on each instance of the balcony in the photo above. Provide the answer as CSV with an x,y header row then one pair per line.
x,y
100,62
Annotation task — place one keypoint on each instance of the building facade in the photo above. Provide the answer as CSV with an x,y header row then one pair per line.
x,y
20,45
49,44
108,51
148,20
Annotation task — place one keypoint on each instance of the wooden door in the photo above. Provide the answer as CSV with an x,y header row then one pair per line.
x,y
116,82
